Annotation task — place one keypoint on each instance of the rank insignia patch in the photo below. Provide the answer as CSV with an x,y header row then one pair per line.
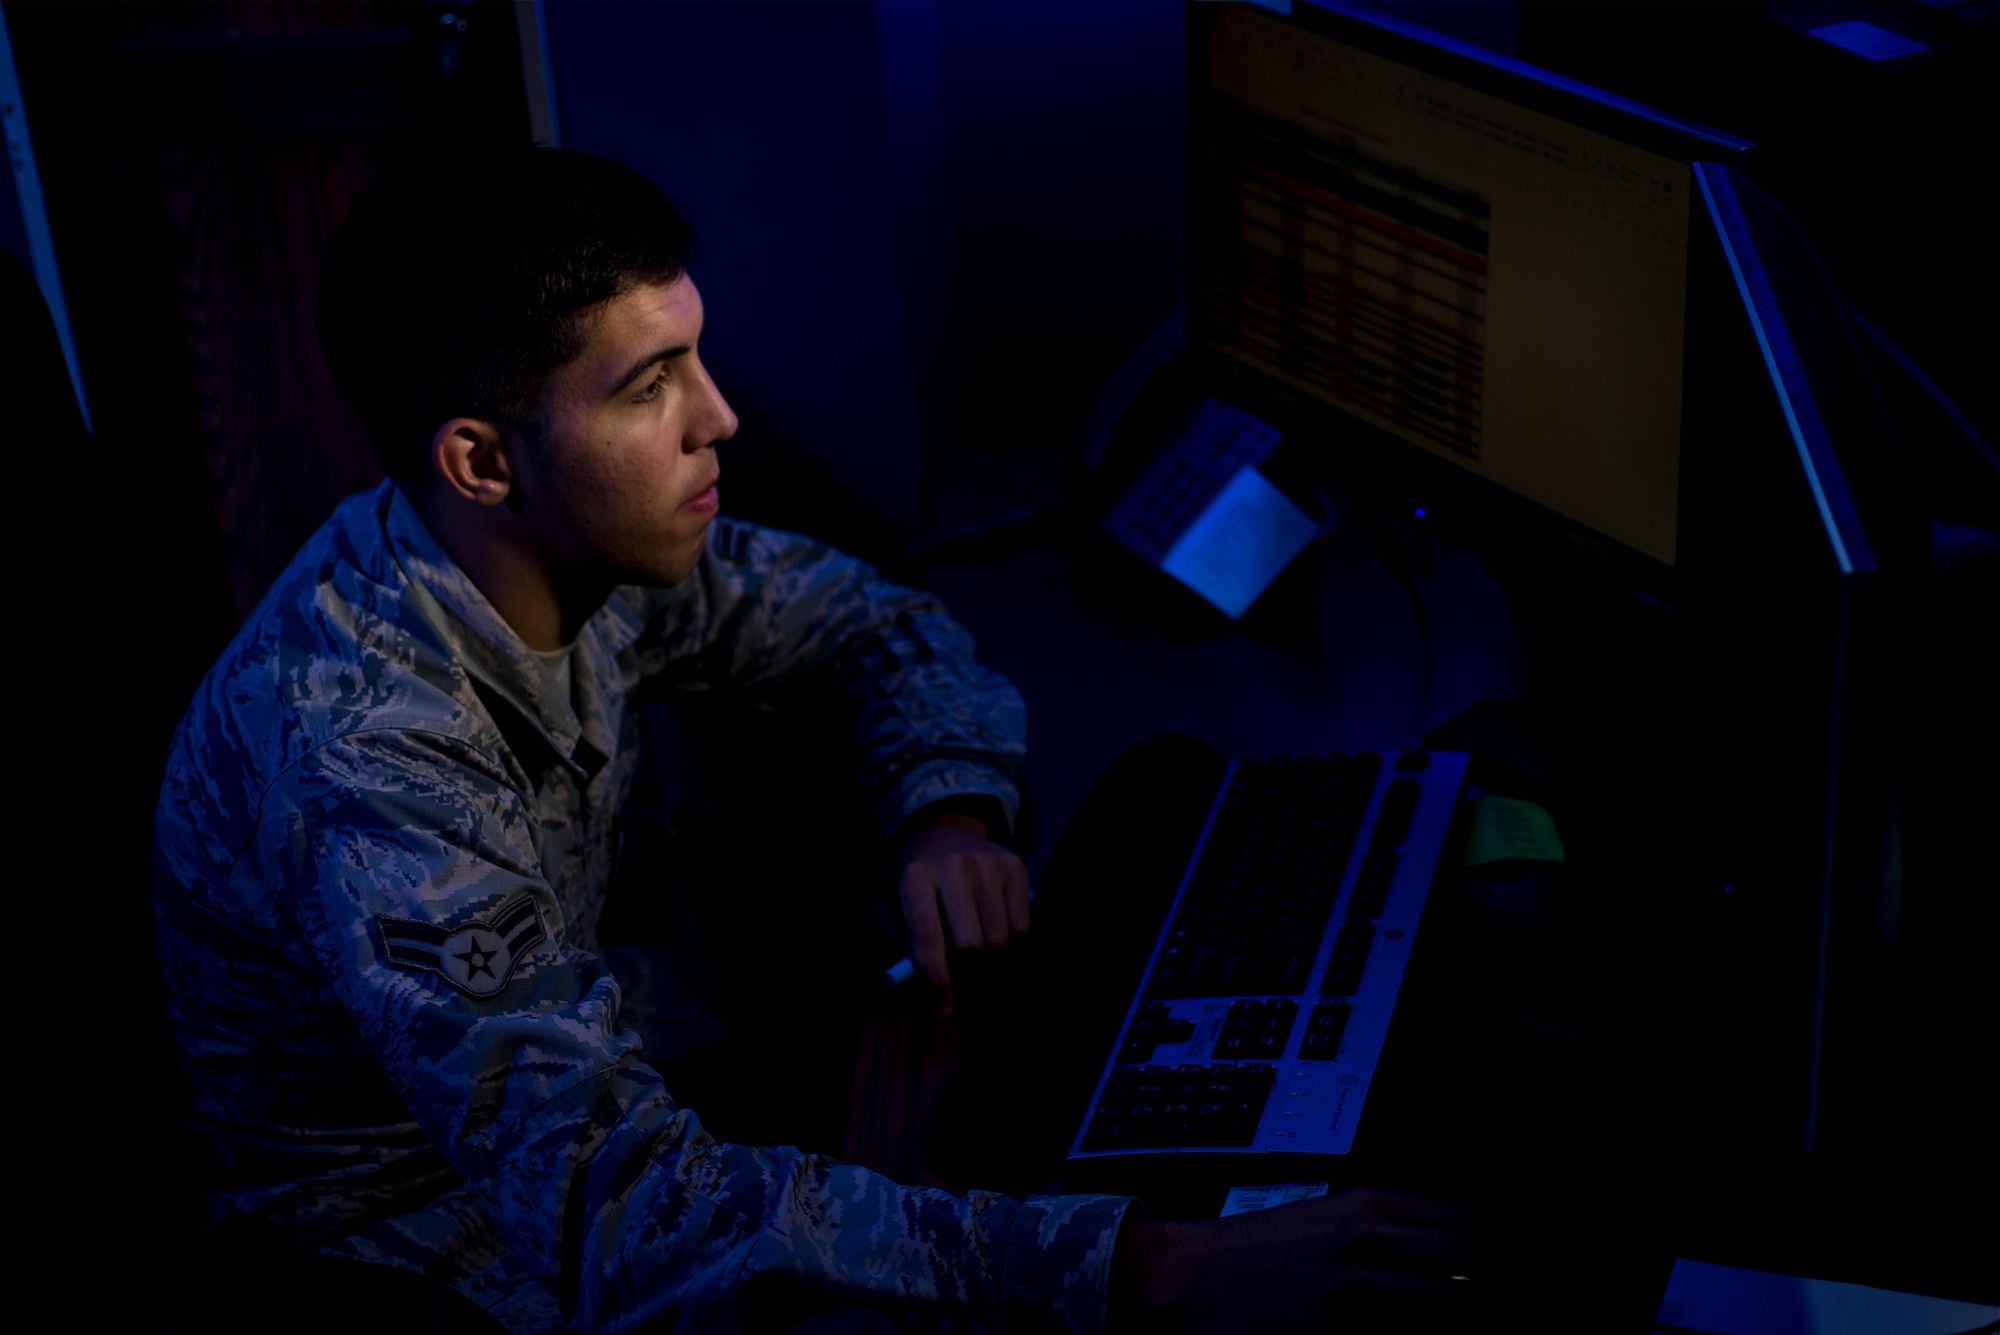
x,y
477,957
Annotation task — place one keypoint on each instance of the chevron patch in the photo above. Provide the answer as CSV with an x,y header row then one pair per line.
x,y
477,957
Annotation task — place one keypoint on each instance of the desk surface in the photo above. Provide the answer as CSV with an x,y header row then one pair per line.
x,y
1628,1170
1355,661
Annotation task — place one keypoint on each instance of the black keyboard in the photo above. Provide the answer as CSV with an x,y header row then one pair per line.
x,y
1251,917
1262,1013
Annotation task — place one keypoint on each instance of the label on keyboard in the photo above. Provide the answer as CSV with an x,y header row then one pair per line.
x,y
1319,1106
1242,1200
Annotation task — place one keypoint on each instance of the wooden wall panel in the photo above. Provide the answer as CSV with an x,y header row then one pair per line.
x,y
249,227
209,150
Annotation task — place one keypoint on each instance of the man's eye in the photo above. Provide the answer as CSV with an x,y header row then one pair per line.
x,y
652,391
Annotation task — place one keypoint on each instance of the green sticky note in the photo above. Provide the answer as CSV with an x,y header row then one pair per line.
x,y
1507,827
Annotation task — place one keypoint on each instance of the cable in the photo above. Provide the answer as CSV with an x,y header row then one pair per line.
x,y
982,537
1410,569
1382,534
1923,382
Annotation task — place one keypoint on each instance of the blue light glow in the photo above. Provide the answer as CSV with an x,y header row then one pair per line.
x,y
1733,239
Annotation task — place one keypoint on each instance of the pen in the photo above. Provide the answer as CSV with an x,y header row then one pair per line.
x,y
904,969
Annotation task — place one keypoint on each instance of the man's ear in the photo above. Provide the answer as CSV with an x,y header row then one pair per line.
x,y
471,458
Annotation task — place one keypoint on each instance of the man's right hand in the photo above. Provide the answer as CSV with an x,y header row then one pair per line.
x,y
1327,1264
957,887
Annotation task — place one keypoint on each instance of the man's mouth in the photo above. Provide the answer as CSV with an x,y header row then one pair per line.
x,y
705,501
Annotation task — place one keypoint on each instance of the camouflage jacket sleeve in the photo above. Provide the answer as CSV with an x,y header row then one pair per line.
x,y
766,608
412,850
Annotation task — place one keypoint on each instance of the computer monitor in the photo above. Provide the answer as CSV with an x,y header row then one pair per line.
x,y
1488,289
1398,240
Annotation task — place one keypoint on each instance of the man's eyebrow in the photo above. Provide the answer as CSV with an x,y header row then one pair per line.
x,y
647,363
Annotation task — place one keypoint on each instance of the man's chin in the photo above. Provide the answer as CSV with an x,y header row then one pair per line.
x,y
673,571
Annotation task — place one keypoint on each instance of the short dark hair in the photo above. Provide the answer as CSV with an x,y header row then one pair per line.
x,y
458,289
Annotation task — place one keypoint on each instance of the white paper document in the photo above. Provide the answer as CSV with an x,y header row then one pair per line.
x,y
1727,1301
1242,1200
1232,552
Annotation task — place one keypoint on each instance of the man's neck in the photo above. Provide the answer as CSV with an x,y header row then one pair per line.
x,y
496,549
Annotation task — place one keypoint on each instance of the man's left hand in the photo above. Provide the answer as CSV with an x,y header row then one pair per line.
x,y
959,887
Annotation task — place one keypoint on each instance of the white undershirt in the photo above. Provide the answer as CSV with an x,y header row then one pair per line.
x,y
557,662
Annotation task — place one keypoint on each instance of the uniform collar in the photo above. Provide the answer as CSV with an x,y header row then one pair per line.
x,y
480,640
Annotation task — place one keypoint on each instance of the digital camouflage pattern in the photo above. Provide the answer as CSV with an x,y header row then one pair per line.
x,y
381,852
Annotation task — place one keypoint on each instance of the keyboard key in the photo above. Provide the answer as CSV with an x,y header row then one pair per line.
x,y
1371,884
1392,822
1214,1106
1258,901
1323,1030
1256,1029
1350,953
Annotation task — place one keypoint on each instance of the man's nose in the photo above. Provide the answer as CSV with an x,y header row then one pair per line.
x,y
727,426
718,419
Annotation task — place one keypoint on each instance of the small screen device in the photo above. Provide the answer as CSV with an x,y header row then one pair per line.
x,y
1204,513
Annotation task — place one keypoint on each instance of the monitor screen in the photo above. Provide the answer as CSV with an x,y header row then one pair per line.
x,y
1494,284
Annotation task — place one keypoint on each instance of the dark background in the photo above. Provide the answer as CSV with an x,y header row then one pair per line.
x,y
927,232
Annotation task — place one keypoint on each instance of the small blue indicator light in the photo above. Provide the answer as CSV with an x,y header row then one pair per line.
x,y
1420,512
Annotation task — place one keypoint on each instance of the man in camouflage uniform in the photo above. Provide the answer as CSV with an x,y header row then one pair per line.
x,y
386,829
